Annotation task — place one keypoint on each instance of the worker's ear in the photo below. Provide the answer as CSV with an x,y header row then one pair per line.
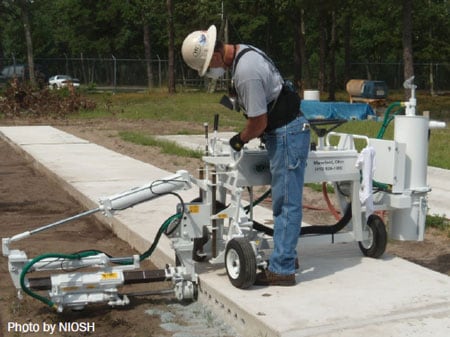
x,y
216,61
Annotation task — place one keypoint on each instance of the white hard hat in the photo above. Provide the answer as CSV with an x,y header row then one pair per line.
x,y
198,48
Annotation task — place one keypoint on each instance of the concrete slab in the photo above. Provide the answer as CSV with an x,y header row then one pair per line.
x,y
438,199
339,292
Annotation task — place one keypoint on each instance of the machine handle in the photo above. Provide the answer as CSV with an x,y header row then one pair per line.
x,y
216,122
437,125
352,137
236,156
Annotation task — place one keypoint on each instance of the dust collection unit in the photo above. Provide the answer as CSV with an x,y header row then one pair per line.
x,y
219,226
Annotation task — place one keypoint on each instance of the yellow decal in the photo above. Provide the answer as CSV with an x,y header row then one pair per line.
x,y
194,208
66,289
110,276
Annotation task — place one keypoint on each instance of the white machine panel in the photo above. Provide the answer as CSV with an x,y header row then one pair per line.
x,y
331,166
389,163
254,168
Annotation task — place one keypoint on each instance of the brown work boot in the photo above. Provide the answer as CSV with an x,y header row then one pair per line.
x,y
267,278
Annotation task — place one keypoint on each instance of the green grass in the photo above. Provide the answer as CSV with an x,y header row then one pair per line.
x,y
167,147
193,107
439,222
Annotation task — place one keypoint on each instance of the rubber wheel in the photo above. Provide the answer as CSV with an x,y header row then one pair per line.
x,y
240,263
375,245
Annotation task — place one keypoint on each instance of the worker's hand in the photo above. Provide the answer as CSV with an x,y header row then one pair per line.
x,y
236,142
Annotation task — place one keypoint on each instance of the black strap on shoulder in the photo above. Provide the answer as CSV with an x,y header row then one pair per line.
x,y
238,57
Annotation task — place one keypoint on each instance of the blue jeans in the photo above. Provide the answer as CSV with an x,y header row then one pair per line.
x,y
288,148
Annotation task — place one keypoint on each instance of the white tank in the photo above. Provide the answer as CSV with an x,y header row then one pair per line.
x,y
413,131
409,223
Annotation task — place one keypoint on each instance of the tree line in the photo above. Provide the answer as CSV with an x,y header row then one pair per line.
x,y
314,42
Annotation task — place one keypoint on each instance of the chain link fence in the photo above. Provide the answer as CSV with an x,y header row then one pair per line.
x,y
433,77
117,73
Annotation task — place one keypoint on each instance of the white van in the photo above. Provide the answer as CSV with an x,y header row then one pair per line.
x,y
9,72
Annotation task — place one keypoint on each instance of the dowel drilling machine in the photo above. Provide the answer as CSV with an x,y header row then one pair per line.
x,y
220,227
70,288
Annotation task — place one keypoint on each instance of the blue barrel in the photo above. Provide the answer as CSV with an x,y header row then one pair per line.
x,y
374,89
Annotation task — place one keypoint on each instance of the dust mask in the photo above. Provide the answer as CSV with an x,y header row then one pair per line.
x,y
215,73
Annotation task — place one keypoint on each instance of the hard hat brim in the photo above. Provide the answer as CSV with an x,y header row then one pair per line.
x,y
211,36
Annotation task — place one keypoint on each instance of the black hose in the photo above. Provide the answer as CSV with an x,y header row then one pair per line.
x,y
331,229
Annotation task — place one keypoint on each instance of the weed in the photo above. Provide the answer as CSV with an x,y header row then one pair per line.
x,y
439,222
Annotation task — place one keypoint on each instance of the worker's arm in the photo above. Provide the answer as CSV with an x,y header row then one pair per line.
x,y
254,128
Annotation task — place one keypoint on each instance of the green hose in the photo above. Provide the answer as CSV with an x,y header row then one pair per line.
x,y
388,118
397,108
161,231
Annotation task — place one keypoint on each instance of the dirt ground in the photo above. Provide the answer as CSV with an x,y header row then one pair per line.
x,y
29,200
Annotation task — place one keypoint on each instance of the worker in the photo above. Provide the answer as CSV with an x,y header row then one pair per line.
x,y
273,114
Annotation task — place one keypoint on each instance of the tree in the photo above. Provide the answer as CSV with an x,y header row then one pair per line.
x,y
25,16
294,12
146,14
318,44
20,10
322,46
170,30
347,30
430,39
300,65
148,53
408,65
332,58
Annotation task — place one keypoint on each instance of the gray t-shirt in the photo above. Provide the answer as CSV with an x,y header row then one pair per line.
x,y
257,82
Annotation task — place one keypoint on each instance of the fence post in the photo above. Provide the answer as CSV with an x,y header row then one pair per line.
x,y
114,72
67,64
159,71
